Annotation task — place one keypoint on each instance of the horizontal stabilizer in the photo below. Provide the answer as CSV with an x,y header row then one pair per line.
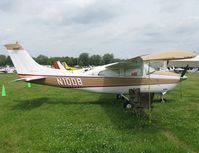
x,y
31,78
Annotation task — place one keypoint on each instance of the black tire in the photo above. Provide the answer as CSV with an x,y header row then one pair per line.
x,y
125,103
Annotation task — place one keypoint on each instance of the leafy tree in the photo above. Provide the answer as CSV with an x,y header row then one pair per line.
x,y
95,60
9,61
117,60
68,60
2,60
42,59
83,59
81,63
108,58
74,61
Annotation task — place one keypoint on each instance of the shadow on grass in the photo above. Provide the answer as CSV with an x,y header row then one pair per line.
x,y
167,100
120,117
30,104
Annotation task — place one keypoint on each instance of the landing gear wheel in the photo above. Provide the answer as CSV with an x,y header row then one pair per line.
x,y
129,106
125,103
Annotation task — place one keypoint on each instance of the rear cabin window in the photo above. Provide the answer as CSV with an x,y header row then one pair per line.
x,y
110,73
133,72
129,68
121,72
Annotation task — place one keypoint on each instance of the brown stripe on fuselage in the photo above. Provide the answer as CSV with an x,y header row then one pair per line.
x,y
82,82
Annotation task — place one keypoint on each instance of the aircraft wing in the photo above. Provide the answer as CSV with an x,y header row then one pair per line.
x,y
31,78
138,61
169,55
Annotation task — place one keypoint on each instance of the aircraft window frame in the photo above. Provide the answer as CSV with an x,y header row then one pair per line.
x,y
147,68
121,72
103,73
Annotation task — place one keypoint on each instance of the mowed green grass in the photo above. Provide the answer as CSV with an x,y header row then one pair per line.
x,y
60,120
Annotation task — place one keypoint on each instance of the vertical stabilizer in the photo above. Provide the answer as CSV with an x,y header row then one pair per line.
x,y
22,61
61,67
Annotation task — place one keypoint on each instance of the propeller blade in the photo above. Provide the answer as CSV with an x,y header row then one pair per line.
x,y
185,70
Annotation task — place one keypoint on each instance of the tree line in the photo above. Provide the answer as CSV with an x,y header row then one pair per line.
x,y
84,59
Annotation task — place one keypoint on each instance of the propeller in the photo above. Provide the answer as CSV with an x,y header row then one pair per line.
x,y
184,71
182,77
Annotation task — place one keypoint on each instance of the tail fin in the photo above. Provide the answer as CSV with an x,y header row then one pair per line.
x,y
66,66
61,67
70,68
22,61
55,65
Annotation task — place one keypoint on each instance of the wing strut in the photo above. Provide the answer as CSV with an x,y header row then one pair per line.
x,y
149,91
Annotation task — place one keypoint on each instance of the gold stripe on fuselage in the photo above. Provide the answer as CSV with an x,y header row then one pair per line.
x,y
81,82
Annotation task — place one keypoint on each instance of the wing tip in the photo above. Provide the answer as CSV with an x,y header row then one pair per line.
x,y
170,55
13,46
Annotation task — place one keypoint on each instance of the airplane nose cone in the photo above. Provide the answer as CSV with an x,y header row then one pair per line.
x,y
183,78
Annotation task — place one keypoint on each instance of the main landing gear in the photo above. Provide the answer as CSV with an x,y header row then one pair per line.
x,y
125,100
136,101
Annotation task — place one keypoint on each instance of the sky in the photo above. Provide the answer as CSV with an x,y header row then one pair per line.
x,y
126,28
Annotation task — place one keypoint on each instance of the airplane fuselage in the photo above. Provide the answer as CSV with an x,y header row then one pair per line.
x,y
158,81
116,77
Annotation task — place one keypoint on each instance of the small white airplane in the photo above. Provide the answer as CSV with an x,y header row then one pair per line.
x,y
8,69
117,78
192,70
64,66
60,66
178,70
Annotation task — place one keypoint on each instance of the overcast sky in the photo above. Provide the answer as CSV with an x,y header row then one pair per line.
x,y
126,28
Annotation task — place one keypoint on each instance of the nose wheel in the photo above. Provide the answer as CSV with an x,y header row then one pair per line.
x,y
162,99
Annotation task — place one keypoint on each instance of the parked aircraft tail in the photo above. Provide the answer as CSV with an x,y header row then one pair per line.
x,y
70,68
61,67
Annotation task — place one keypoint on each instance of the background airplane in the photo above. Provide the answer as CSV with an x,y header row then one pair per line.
x,y
63,66
8,69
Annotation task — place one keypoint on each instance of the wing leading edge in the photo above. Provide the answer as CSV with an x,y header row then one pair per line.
x,y
167,55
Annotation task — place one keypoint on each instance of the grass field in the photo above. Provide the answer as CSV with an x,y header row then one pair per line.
x,y
59,120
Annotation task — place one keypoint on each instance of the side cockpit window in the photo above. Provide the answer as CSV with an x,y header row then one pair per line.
x,y
133,72
121,72
128,68
148,69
